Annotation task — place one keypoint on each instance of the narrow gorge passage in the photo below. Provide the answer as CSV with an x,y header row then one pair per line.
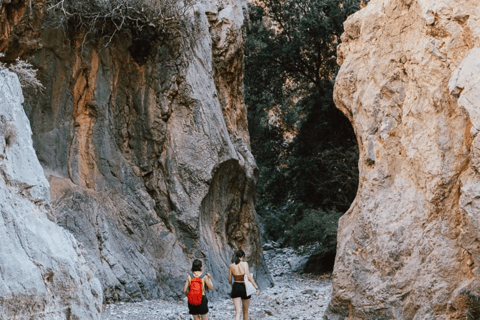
x,y
149,147
294,296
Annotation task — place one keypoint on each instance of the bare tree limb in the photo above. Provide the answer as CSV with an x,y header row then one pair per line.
x,y
106,18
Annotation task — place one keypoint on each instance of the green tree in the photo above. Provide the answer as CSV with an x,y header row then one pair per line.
x,y
305,147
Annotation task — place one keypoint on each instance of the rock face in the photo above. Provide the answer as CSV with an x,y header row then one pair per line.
x,y
409,82
146,148
43,272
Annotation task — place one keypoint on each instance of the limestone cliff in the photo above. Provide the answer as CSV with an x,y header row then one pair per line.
x,y
146,148
43,272
409,82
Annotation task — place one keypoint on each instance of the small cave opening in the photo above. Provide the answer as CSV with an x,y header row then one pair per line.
x,y
140,50
144,42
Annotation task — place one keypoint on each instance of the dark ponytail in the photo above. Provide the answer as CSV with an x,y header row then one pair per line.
x,y
239,254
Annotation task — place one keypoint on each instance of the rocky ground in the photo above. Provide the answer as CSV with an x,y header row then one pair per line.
x,y
294,296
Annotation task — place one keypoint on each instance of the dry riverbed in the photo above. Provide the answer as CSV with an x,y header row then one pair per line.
x,y
294,296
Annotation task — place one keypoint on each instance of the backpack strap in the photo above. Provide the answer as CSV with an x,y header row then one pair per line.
x,y
193,276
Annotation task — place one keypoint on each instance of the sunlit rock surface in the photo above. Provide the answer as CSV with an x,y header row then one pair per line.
x,y
43,272
146,148
409,82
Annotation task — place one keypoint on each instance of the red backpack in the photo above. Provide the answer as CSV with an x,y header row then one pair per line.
x,y
196,291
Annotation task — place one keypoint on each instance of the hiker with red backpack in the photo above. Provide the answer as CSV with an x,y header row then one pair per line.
x,y
194,289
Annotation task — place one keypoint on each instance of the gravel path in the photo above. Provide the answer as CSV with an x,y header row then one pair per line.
x,y
294,296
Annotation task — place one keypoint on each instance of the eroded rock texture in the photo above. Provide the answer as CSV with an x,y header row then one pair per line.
x,y
146,148
20,24
43,272
408,248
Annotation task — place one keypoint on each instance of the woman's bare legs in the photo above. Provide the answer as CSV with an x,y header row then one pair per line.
x,y
204,316
238,305
196,317
245,303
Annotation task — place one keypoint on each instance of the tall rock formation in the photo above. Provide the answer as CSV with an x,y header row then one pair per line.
x,y
409,247
43,271
146,148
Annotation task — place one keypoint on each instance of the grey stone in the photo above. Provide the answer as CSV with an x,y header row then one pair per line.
x,y
43,272
268,246
298,263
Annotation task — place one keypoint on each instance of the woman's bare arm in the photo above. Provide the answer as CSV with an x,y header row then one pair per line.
x,y
208,281
250,276
230,274
185,287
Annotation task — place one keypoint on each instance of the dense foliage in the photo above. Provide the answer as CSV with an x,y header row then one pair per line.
x,y
304,146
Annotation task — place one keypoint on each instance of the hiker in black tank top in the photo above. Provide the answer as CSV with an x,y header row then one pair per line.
x,y
199,312
237,271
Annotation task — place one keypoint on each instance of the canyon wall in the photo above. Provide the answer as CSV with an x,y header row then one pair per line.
x,y
408,248
146,148
43,271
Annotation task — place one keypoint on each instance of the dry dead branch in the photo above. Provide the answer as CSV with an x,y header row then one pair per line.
x,y
106,18
25,72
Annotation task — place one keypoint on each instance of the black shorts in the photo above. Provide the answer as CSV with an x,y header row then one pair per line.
x,y
200,309
239,291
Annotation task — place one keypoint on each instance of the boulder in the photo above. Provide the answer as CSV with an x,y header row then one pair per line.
x,y
298,263
268,246
409,83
